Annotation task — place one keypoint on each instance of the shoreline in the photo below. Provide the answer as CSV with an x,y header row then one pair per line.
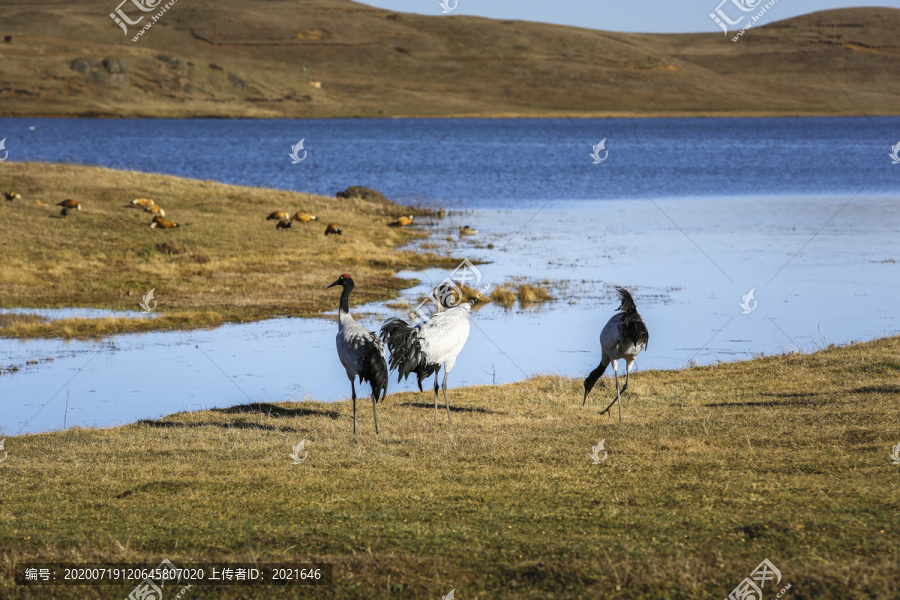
x,y
580,115
692,311
463,389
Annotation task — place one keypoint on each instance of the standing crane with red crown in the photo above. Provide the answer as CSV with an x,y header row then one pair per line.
x,y
360,351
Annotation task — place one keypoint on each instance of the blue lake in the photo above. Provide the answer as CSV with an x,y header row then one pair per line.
x,y
690,214
497,163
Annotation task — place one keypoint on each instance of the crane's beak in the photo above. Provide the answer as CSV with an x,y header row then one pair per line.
x,y
338,282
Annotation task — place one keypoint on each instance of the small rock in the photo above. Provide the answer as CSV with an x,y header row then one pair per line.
x,y
83,65
115,65
364,193
237,81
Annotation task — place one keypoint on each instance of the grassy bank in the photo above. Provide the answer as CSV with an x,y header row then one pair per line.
x,y
225,263
713,470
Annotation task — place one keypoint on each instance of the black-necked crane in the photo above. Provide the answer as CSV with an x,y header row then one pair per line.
x,y
70,204
278,215
427,347
283,224
360,351
302,217
402,221
333,229
624,336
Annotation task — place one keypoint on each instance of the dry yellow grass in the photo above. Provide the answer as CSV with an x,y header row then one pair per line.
x,y
535,293
503,296
527,293
225,259
713,470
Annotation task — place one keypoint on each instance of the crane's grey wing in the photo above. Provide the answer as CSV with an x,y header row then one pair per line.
x,y
609,336
362,354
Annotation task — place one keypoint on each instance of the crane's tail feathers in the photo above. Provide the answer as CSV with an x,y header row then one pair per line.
x,y
627,306
632,326
375,369
407,356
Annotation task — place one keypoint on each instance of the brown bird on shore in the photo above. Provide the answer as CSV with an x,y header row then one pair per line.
x,y
442,213
283,224
402,221
144,202
12,196
303,217
160,223
466,230
39,203
156,209
278,215
73,204
333,229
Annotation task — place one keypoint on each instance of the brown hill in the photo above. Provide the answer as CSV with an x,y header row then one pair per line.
x,y
242,58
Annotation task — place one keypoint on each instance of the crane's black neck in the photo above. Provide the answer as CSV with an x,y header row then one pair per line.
x,y
345,296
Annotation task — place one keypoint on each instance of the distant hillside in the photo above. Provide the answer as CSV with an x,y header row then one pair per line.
x,y
245,58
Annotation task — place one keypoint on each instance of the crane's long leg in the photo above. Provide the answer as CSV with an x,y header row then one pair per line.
x,y
353,387
375,411
619,394
628,366
616,399
447,402
436,394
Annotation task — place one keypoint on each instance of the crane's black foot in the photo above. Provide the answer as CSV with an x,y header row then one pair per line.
x,y
606,410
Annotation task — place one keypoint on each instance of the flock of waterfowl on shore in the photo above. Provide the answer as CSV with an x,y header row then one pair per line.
x,y
284,218
67,205
70,206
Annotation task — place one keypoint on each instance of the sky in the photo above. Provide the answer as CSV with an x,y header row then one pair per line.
x,y
646,16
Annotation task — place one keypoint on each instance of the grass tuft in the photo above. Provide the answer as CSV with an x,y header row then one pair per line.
x,y
535,293
503,296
